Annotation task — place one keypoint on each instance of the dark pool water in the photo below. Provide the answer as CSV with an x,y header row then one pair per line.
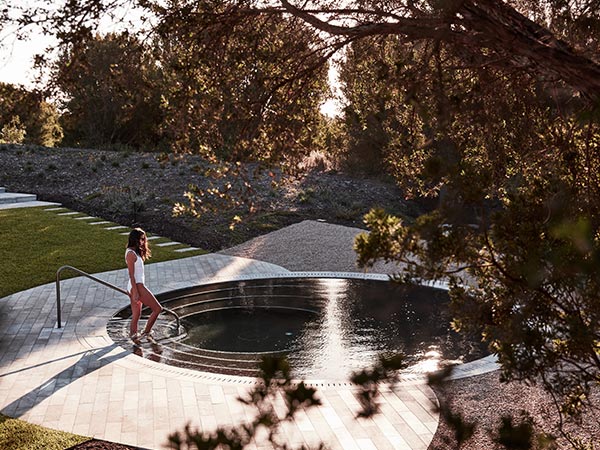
x,y
246,329
327,327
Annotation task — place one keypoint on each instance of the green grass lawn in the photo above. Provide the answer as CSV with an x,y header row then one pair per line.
x,y
34,244
18,435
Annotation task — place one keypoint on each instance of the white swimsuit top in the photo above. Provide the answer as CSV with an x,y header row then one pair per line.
x,y
138,269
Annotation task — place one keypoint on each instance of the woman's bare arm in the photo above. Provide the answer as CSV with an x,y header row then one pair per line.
x,y
131,258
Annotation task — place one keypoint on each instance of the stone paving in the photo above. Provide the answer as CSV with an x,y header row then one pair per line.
x,y
77,379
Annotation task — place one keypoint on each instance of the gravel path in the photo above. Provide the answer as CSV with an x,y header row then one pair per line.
x,y
310,246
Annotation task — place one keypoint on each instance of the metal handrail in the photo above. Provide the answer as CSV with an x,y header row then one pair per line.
x,y
105,283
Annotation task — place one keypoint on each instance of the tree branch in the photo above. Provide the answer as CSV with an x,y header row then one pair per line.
x,y
476,26
418,28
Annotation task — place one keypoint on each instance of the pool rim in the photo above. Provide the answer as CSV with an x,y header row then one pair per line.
x,y
476,367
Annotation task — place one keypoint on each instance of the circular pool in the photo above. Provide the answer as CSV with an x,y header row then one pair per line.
x,y
328,327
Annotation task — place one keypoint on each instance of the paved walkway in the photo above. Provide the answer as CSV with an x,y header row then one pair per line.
x,y
78,380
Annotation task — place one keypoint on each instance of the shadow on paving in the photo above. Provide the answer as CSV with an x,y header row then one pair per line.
x,y
89,362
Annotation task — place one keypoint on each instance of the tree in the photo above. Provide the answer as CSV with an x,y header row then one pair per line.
x,y
366,94
516,176
32,119
110,89
233,88
515,232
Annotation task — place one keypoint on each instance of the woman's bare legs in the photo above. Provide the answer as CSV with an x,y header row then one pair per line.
x,y
148,299
136,312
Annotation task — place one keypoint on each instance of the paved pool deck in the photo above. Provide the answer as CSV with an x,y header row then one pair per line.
x,y
77,379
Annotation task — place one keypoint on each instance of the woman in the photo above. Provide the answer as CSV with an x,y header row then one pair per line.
x,y
135,255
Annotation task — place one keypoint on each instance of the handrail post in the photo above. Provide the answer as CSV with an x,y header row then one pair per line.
x,y
58,321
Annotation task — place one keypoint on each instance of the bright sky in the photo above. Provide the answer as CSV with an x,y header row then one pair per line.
x,y
16,59
332,106
16,56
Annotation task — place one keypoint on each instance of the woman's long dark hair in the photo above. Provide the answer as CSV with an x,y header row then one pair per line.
x,y
135,243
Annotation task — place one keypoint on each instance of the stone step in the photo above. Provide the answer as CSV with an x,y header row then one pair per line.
x,y
10,197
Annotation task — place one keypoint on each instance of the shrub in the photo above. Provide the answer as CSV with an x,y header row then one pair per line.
x,y
13,132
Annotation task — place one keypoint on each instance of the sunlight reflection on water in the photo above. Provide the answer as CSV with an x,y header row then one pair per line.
x,y
352,323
